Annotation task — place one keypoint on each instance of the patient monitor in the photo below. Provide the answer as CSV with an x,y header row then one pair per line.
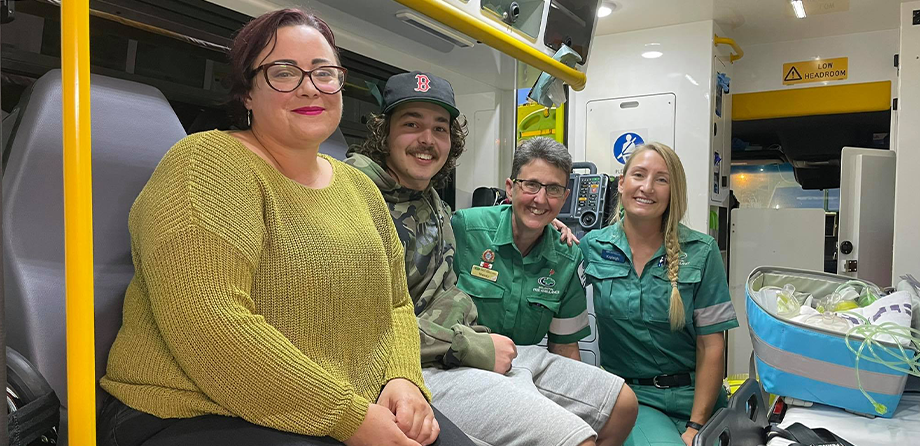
x,y
586,207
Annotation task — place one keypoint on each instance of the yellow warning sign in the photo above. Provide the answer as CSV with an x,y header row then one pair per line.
x,y
820,70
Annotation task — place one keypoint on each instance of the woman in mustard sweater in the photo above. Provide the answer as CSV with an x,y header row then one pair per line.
x,y
269,302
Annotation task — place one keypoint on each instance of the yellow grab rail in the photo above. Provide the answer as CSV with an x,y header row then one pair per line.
x,y
78,223
469,25
739,53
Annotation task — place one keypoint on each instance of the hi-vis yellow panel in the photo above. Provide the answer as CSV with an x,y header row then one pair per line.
x,y
815,71
835,99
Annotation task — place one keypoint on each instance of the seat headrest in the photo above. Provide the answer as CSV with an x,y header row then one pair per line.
x,y
488,196
335,146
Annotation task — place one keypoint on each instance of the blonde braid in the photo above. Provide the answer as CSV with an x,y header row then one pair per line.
x,y
677,304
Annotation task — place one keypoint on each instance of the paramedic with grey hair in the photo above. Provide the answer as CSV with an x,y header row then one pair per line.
x,y
527,285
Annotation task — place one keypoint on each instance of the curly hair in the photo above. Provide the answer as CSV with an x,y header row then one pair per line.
x,y
375,146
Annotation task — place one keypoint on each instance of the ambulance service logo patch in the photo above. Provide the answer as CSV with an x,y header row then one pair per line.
x,y
547,282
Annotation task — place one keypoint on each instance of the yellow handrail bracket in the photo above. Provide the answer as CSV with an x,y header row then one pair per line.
x,y
78,223
738,52
495,38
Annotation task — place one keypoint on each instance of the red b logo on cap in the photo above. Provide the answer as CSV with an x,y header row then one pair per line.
x,y
423,83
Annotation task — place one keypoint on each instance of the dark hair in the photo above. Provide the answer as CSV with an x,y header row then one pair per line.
x,y
251,40
546,149
375,146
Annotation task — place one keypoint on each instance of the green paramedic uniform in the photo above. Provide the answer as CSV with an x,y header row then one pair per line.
x,y
523,298
634,334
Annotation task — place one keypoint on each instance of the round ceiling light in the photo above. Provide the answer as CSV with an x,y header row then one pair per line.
x,y
606,9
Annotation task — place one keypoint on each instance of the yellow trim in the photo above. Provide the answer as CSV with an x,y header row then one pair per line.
x,y
538,133
530,114
78,223
479,30
739,53
560,123
837,99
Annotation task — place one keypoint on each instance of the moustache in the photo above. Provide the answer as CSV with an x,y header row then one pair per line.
x,y
423,151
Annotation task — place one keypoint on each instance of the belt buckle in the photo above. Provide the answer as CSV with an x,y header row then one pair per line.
x,y
659,386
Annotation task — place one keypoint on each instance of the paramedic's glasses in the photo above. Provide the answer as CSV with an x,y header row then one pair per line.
x,y
533,187
285,78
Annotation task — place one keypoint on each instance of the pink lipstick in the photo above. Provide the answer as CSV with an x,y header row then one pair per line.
x,y
309,111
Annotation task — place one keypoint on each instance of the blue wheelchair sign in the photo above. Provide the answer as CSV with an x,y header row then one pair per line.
x,y
624,146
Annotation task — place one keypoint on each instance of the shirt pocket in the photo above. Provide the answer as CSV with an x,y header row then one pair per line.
x,y
488,297
658,307
608,299
537,316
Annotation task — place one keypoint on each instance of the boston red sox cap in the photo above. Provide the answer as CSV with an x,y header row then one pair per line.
x,y
419,87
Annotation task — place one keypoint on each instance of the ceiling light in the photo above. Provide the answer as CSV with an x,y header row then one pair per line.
x,y
799,8
606,8
652,54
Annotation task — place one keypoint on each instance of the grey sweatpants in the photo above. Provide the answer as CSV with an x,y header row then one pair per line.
x,y
545,399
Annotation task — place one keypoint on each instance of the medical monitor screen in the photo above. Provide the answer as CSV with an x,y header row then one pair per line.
x,y
567,207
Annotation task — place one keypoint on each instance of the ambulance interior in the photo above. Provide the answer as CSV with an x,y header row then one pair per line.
x,y
799,135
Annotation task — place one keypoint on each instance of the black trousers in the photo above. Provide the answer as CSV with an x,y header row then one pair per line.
x,y
120,425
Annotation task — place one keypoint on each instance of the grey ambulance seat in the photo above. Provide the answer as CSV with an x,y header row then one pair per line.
x,y
9,123
335,146
132,127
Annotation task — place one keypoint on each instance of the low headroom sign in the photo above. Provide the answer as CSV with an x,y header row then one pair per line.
x,y
820,70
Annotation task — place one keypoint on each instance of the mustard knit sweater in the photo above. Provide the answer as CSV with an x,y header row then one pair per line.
x,y
256,297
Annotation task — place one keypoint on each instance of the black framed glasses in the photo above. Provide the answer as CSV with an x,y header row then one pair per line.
x,y
285,77
533,187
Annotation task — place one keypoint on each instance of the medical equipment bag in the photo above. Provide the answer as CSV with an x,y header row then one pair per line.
x,y
813,364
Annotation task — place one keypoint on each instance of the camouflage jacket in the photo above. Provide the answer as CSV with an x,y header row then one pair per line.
x,y
446,316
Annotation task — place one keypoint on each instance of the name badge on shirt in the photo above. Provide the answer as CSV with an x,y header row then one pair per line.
x,y
609,254
484,273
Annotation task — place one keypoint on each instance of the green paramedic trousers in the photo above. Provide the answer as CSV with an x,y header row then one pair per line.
x,y
663,414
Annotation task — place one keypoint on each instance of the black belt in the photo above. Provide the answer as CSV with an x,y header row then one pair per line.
x,y
663,381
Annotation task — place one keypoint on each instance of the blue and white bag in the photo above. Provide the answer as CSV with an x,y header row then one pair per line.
x,y
812,364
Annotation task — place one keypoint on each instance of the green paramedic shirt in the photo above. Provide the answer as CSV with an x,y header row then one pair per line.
x,y
634,334
529,296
